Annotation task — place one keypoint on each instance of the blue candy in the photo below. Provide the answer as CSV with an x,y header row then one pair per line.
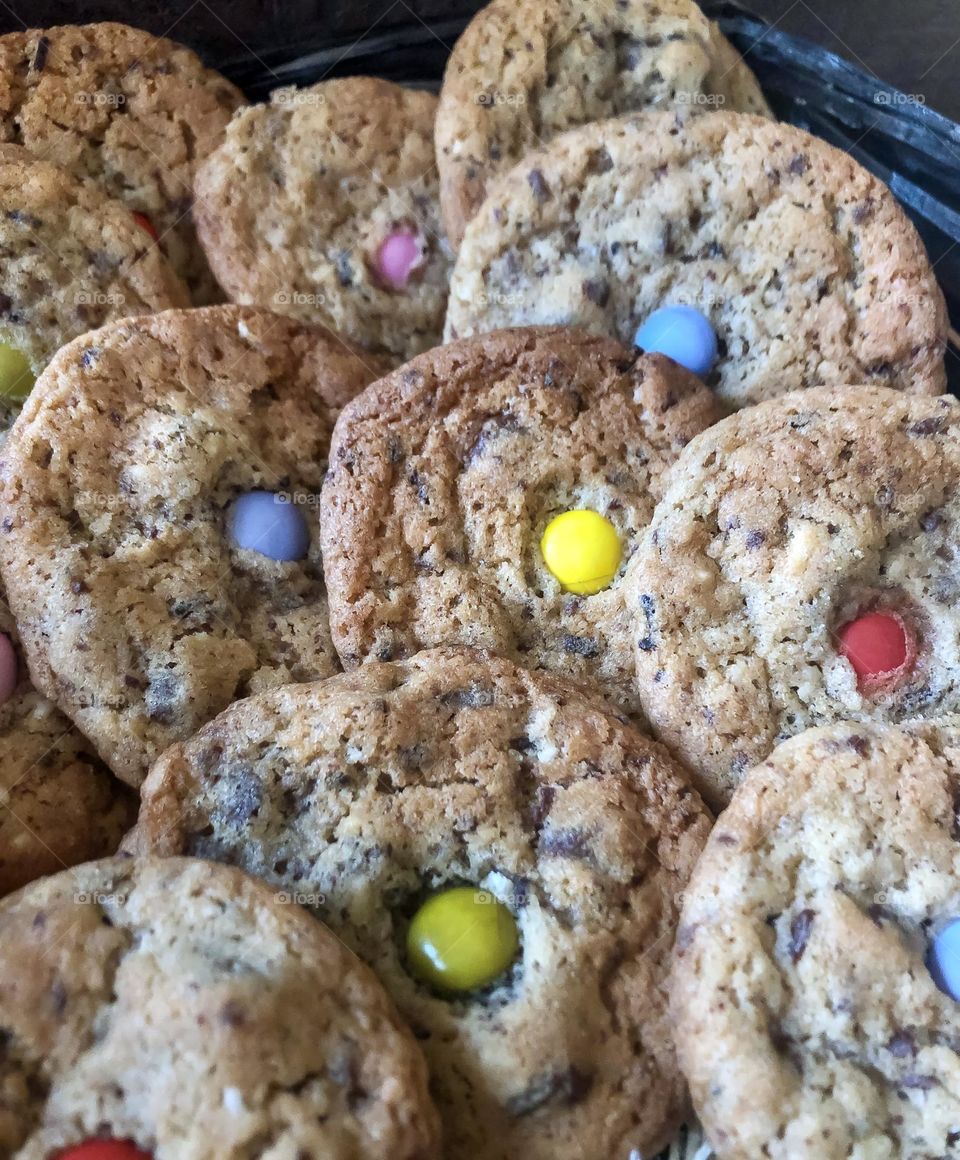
x,y
269,524
943,959
683,334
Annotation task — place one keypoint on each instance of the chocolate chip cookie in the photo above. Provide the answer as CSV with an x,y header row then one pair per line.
x,y
370,793
173,1007
73,259
524,71
160,541
801,569
323,205
446,477
801,261
809,1018
59,804
134,112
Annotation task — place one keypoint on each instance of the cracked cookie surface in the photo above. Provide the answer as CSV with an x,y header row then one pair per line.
x,y
525,70
187,1008
778,527
444,475
132,111
141,616
361,794
295,204
59,804
807,1022
804,264
73,259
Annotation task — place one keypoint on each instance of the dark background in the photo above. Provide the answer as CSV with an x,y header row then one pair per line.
x,y
912,44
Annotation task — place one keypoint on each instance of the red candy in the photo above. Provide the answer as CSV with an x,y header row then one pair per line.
x,y
879,647
104,1150
145,224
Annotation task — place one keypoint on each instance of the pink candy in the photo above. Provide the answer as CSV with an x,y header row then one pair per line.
x,y
397,257
8,668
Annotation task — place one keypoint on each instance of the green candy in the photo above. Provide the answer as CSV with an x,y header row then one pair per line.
x,y
16,376
461,939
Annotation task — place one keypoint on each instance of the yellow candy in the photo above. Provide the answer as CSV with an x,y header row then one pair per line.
x,y
16,376
461,939
582,549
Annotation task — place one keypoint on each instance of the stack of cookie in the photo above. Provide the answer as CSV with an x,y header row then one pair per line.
x,y
482,747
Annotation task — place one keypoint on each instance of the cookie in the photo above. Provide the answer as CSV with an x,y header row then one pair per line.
x,y
808,1016
134,112
800,570
182,1009
160,543
323,205
73,260
799,263
525,71
59,804
446,476
374,795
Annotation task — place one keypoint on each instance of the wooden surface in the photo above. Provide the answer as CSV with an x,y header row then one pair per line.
x,y
913,44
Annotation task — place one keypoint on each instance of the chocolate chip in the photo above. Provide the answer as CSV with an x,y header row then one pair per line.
x,y
931,520
232,1014
543,799
601,161
880,914
41,54
597,290
537,182
567,1087
344,269
685,936
798,164
862,211
583,646
799,934
475,697
78,586
902,1044
416,481
725,839
647,643
242,793
90,356
565,843
931,426
921,1083
163,698
754,539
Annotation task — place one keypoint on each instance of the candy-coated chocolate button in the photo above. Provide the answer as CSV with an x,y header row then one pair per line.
x,y
8,668
876,645
16,375
104,1150
397,257
269,524
461,939
943,959
145,224
683,334
582,549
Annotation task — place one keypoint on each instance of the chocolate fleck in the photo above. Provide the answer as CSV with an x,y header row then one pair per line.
x,y
538,183
567,1087
583,646
799,934
41,54
597,290
902,1044
931,426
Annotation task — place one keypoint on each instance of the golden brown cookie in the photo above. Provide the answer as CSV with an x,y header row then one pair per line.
x,y
805,266
323,205
132,111
364,795
525,71
808,1016
445,475
160,541
189,1010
